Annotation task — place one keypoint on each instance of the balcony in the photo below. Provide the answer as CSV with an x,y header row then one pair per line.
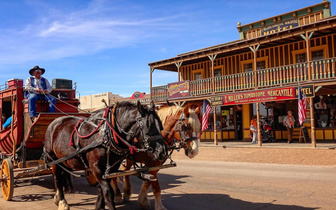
x,y
309,72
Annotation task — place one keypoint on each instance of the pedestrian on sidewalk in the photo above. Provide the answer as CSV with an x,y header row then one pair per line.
x,y
289,122
253,129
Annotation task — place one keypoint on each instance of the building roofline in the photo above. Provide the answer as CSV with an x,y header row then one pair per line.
x,y
298,10
208,50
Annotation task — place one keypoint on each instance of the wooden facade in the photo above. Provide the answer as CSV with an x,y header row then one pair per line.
x,y
281,51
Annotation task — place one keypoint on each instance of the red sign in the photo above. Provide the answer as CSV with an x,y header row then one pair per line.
x,y
137,95
260,96
178,89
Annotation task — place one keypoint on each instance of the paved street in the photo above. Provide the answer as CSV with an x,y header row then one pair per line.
x,y
198,184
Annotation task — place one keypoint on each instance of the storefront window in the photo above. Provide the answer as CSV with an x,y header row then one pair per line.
x,y
198,76
227,118
317,55
248,67
301,58
218,72
261,65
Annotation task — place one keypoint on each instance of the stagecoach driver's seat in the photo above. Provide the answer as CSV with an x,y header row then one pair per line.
x,y
38,88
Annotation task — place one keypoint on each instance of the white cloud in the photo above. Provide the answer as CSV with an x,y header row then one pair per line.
x,y
100,26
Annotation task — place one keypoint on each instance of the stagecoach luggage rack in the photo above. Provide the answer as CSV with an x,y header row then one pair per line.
x,y
62,84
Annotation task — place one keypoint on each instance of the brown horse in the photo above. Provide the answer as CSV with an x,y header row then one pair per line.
x,y
182,124
101,142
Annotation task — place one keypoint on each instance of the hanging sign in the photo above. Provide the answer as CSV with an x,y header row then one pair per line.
x,y
216,100
178,89
307,90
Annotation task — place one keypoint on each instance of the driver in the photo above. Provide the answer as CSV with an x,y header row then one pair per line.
x,y
38,87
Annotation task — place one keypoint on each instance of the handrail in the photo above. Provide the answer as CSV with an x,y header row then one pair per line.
x,y
271,77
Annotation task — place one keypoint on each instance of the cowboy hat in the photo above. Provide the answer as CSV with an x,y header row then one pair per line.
x,y
36,68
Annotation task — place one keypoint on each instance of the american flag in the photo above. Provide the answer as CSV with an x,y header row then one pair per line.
x,y
205,117
302,105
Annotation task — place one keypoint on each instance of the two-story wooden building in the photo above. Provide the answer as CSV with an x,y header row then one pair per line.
x,y
259,75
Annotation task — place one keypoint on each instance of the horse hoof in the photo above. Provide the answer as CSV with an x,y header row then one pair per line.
x,y
118,200
127,197
160,207
62,205
56,200
144,203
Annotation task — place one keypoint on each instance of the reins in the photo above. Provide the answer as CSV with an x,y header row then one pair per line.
x,y
115,137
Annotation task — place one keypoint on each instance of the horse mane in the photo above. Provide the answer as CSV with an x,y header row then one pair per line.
x,y
194,121
168,111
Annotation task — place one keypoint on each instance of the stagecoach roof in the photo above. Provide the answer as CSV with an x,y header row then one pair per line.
x,y
320,28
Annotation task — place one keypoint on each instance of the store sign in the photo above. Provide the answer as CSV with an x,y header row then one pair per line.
x,y
178,89
308,91
216,100
283,26
260,96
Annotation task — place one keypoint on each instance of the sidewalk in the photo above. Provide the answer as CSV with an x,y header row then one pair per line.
x,y
241,144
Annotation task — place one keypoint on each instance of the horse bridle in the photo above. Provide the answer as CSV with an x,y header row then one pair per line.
x,y
180,127
131,135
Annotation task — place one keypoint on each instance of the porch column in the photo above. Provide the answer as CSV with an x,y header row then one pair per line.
x,y
212,58
312,122
215,127
151,81
254,49
307,37
178,65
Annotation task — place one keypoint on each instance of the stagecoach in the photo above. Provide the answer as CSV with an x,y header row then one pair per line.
x,y
21,144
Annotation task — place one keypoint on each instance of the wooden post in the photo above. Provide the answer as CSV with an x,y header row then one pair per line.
x,y
307,38
312,122
178,65
151,82
212,58
258,126
215,127
254,49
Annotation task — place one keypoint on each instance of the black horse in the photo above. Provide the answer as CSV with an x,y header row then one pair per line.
x,y
99,144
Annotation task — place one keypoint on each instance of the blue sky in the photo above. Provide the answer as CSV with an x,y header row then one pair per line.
x,y
106,45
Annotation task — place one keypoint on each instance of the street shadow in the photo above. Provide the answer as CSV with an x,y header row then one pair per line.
x,y
170,201
218,201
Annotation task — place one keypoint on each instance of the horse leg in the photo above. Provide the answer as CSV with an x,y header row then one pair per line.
x,y
127,190
59,198
107,193
157,192
100,203
143,196
117,194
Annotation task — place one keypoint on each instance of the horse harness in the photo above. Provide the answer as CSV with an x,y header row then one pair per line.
x,y
179,127
109,138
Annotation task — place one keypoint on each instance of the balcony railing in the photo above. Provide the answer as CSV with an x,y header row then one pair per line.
x,y
324,69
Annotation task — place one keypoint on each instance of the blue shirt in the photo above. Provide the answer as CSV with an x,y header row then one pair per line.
x,y
8,122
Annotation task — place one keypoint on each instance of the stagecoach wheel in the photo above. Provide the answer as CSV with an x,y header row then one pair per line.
x,y
7,177
91,179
